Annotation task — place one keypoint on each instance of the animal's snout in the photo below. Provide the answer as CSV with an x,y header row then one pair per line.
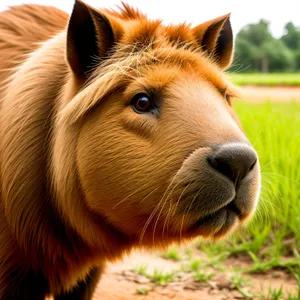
x,y
234,160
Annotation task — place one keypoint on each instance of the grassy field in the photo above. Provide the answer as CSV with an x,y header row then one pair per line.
x,y
272,239
274,130
273,79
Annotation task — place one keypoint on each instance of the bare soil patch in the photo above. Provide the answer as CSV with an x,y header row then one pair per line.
x,y
122,282
274,94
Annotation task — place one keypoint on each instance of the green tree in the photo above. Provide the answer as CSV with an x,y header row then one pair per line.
x,y
280,58
251,46
291,38
257,50
246,55
256,34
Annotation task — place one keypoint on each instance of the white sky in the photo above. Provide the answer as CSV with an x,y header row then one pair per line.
x,y
243,12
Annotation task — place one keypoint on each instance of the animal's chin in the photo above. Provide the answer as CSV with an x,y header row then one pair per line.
x,y
218,223
213,225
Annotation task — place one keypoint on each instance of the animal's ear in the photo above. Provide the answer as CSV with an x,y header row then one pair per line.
x,y
215,38
90,37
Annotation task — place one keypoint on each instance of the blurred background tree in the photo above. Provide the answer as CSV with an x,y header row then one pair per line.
x,y
256,50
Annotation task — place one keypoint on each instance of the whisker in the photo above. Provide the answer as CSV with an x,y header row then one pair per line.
x,y
279,175
148,195
155,210
180,196
136,191
271,161
148,222
170,206
154,229
157,219
184,214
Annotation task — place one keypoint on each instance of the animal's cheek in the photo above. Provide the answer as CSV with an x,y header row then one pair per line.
x,y
116,164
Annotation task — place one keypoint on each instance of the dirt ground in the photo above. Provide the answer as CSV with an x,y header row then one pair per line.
x,y
121,282
274,94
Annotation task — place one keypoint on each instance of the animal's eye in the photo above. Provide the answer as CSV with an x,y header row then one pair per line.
x,y
142,103
227,96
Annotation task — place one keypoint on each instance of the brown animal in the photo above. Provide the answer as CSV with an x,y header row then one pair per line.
x,y
115,132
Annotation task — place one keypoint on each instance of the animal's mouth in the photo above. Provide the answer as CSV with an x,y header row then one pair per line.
x,y
229,207
220,221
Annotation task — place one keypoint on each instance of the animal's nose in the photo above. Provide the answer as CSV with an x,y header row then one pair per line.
x,y
234,160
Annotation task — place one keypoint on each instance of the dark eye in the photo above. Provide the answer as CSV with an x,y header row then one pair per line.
x,y
142,103
227,96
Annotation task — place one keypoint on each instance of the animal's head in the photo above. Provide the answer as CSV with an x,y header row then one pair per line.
x,y
159,153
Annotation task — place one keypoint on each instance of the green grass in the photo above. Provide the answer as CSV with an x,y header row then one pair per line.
x,y
195,265
274,130
239,282
274,232
159,277
271,79
141,270
275,293
172,254
142,291
203,277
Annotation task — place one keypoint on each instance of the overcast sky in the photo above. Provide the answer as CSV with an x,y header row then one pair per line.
x,y
193,11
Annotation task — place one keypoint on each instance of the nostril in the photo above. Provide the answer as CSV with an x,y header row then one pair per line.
x,y
221,166
252,166
212,161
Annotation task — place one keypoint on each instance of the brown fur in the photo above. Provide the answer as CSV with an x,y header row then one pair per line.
x,y
84,178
